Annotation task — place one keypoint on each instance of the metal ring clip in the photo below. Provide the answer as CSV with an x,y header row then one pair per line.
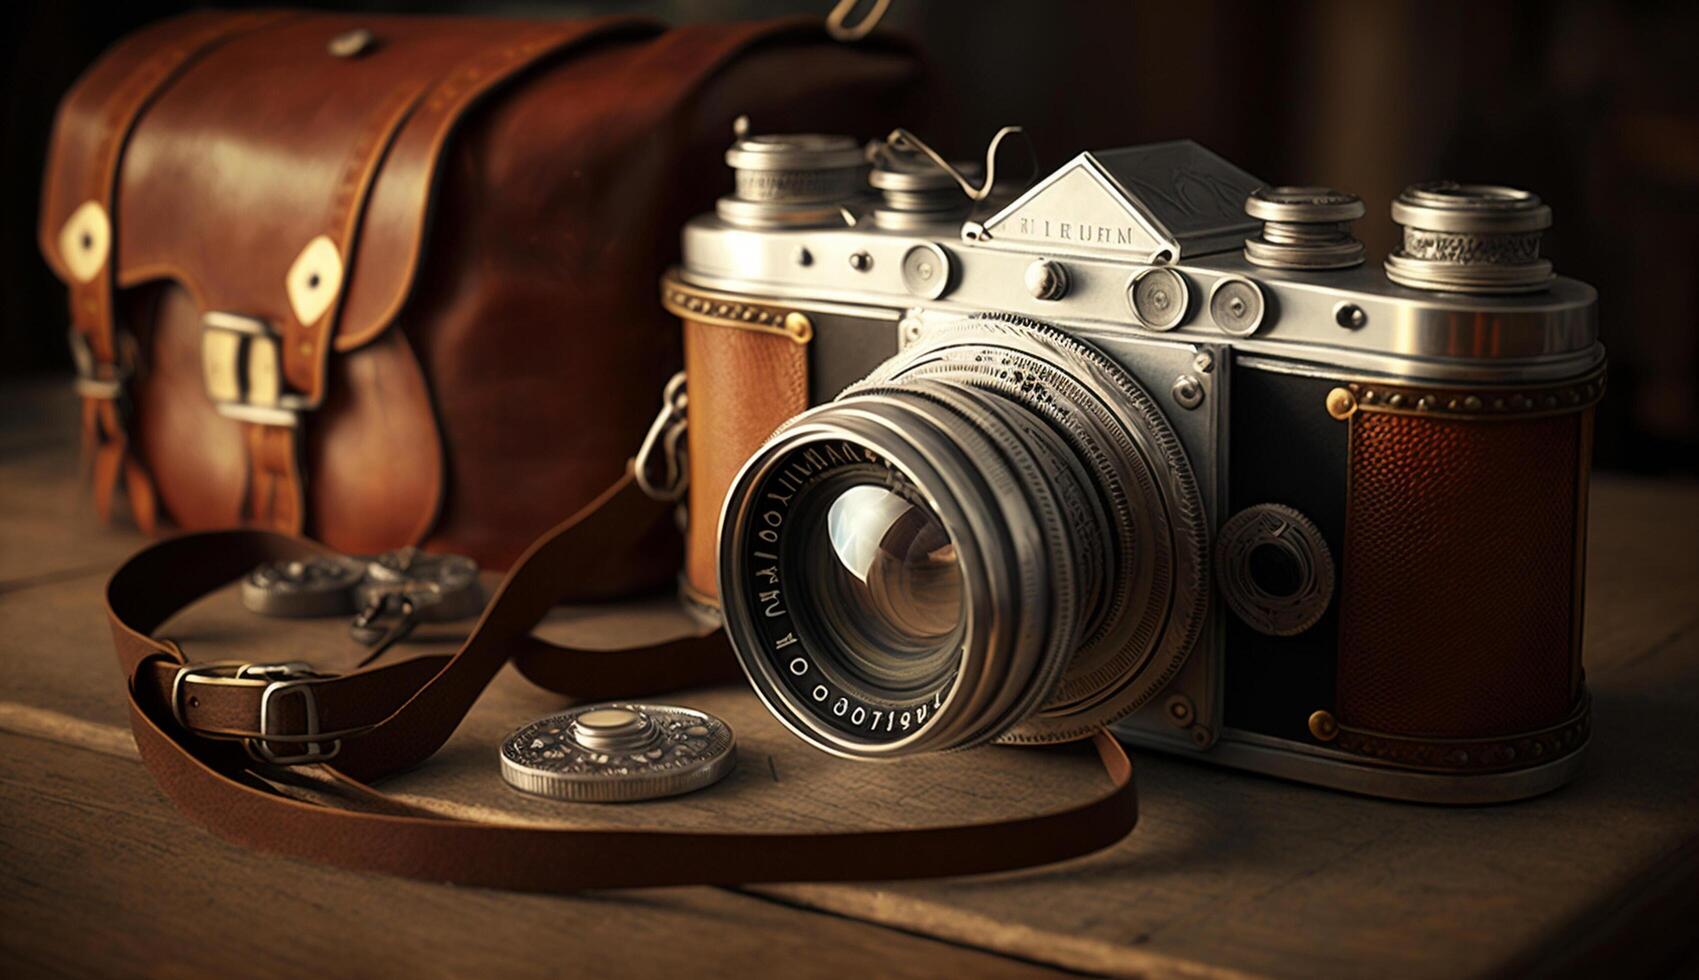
x,y
841,31
666,440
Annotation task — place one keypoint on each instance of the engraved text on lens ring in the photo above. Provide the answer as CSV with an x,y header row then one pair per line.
x,y
794,663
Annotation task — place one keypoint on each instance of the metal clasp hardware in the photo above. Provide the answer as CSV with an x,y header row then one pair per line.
x,y
666,440
242,365
279,680
103,381
837,21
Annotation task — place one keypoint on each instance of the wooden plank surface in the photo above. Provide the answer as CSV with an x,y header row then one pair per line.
x,y
1227,873
103,878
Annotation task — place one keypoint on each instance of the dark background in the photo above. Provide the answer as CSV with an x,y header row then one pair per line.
x,y
1592,106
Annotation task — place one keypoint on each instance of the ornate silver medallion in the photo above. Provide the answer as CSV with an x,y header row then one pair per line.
x,y
443,588
388,594
321,586
618,752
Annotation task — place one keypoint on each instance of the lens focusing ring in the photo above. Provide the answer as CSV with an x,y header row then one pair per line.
x,y
1157,594
1006,574
1058,494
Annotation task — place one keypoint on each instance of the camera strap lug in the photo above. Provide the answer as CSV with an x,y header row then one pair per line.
x,y
664,450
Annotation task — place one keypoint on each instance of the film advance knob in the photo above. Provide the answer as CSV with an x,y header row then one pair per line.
x,y
1469,238
1304,228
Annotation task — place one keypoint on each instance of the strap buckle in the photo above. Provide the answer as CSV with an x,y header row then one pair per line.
x,y
280,680
242,367
102,381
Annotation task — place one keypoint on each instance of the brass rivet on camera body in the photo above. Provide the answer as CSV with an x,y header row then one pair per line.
x,y
799,326
1323,726
1341,404
1180,710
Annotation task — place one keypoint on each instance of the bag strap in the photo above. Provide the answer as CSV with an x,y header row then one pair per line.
x,y
86,157
188,718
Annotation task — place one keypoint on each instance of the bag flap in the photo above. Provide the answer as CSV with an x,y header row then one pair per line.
x,y
285,172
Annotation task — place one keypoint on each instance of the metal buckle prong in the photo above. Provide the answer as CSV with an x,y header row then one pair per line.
x,y
225,670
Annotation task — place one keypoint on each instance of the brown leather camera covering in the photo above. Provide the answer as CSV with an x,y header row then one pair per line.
x,y
502,195
768,373
1461,598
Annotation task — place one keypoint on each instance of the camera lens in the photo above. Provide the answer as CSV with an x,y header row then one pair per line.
x,y
995,536
884,586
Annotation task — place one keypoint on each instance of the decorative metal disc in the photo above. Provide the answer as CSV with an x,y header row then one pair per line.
x,y
319,586
1236,305
618,752
443,588
1158,298
1295,546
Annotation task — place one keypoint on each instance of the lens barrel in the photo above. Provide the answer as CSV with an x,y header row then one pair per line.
x,y
995,536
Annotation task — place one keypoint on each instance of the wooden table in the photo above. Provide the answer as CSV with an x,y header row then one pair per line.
x,y
1228,874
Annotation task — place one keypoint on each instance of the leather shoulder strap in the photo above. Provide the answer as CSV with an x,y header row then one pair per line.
x,y
384,719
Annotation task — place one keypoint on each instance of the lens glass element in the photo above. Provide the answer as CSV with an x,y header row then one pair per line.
x,y
883,578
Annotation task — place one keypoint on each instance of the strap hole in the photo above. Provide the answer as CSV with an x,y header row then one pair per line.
x,y
194,702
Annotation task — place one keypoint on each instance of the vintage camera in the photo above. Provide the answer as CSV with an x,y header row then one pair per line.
x,y
1149,447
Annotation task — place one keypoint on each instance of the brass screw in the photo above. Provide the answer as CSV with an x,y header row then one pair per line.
x,y
1180,710
1323,727
1187,391
1350,316
1341,404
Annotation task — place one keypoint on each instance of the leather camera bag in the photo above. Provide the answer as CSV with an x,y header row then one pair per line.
x,y
386,280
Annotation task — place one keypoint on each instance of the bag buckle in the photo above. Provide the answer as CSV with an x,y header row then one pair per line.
x,y
280,680
242,366
102,381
